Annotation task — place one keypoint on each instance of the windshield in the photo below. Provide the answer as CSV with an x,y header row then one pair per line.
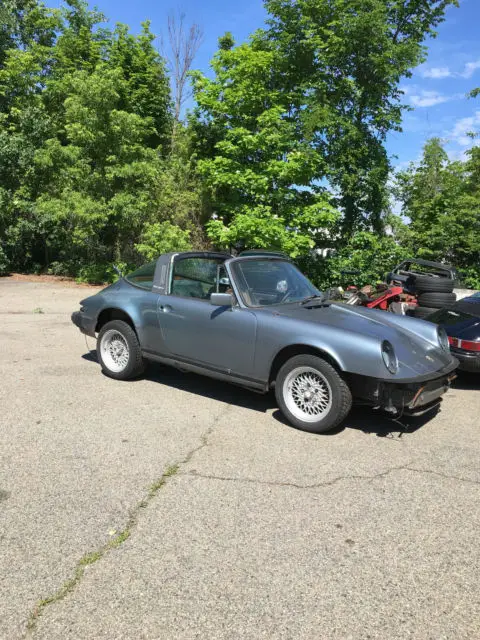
x,y
266,282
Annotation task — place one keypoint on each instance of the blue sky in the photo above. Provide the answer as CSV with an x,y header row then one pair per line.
x,y
437,89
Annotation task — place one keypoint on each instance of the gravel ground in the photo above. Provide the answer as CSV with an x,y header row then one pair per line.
x,y
179,507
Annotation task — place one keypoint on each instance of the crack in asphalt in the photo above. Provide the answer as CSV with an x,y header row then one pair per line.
x,y
94,556
316,485
175,469
325,483
444,475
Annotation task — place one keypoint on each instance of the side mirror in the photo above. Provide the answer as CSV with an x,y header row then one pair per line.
x,y
221,299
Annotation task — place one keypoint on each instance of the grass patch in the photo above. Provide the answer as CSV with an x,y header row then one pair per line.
x,y
94,556
171,471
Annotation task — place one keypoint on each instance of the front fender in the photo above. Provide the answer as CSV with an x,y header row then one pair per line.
x,y
355,351
351,352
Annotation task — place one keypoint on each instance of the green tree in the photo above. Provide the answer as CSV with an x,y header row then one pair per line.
x,y
441,198
84,134
259,174
27,33
341,63
368,253
307,103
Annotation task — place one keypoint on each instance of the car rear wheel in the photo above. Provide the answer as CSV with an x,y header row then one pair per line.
x,y
311,394
118,351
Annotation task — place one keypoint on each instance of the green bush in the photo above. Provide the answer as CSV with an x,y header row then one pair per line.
x,y
3,263
371,255
96,274
470,278
162,237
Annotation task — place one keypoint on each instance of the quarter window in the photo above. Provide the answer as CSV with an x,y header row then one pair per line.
x,y
143,277
197,277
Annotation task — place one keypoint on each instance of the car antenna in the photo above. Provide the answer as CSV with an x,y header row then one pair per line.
x,y
118,271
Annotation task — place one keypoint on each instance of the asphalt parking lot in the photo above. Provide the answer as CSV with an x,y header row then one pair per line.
x,y
179,507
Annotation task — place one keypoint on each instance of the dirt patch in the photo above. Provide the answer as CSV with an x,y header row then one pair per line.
x,y
63,280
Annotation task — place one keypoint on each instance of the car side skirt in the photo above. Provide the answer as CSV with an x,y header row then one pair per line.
x,y
204,370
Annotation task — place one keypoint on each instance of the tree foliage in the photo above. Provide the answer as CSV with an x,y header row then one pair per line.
x,y
309,102
442,200
259,174
284,149
85,129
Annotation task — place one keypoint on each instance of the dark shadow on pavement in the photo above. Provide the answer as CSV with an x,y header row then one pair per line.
x,y
91,356
467,381
372,422
210,388
202,385
361,418
369,421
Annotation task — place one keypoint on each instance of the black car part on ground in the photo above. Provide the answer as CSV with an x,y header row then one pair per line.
x,y
462,324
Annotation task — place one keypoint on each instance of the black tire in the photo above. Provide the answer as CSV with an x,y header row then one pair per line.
x,y
437,300
135,364
423,312
337,390
431,284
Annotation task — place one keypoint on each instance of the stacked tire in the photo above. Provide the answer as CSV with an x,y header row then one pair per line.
x,y
432,294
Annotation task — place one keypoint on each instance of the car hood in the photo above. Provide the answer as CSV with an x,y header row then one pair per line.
x,y
415,341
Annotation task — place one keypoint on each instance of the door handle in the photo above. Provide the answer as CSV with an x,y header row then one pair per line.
x,y
165,308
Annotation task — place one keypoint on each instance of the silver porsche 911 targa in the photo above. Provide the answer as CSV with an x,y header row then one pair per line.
x,y
257,321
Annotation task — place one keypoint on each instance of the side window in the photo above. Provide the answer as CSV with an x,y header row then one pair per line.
x,y
143,277
196,277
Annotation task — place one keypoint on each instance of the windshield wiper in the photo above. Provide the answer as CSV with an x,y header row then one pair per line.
x,y
321,298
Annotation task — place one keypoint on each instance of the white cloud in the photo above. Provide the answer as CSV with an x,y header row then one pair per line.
x,y
462,127
458,154
437,73
470,69
429,98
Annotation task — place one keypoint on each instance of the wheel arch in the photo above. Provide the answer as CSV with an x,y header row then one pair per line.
x,y
300,349
113,313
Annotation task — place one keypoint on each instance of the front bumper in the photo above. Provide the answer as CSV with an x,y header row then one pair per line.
x,y
84,323
410,397
468,361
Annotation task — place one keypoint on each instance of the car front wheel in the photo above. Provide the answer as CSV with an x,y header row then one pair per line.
x,y
118,351
311,394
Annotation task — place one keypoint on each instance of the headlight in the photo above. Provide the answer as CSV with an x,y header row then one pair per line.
x,y
443,339
389,357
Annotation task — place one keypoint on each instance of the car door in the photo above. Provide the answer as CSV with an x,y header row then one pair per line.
x,y
194,330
